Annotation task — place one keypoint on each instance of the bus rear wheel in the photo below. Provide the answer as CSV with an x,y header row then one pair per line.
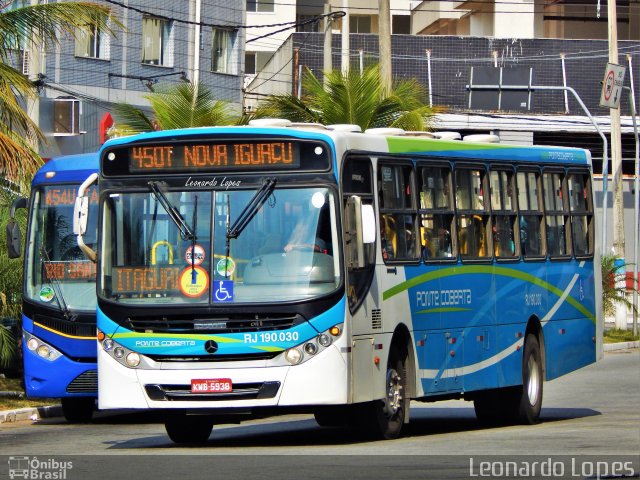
x,y
385,418
78,409
183,428
521,404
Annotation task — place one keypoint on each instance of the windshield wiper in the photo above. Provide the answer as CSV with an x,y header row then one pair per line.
x,y
185,231
55,282
249,211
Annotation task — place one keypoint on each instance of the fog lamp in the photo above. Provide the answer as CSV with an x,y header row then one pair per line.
x,y
107,344
118,352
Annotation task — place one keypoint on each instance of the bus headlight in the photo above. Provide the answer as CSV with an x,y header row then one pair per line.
x,y
312,347
41,348
293,356
122,354
133,359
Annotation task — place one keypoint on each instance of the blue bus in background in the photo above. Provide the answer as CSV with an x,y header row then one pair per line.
x,y
59,300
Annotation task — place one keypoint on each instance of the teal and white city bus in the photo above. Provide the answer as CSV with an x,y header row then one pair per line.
x,y
250,271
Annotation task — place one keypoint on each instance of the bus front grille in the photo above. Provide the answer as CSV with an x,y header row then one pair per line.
x,y
86,382
68,327
241,391
214,325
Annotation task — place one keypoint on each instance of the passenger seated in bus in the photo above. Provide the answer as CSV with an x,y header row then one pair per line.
x,y
388,237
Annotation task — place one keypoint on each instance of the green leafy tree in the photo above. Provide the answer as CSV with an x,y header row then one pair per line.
x,y
180,105
354,98
31,27
10,282
614,290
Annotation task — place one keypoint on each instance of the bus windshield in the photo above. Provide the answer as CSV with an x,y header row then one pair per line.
x,y
58,273
285,251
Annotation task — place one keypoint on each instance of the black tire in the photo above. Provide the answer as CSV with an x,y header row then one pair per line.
x,y
530,398
521,404
385,418
78,409
188,428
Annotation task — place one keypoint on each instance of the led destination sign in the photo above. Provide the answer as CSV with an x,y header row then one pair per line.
x,y
211,156
215,156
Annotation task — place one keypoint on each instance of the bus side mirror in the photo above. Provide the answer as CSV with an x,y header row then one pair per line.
x,y
14,237
360,229
81,216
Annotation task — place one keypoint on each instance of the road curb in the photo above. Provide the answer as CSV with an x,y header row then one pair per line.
x,y
610,347
30,413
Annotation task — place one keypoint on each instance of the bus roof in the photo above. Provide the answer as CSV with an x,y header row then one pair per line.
x,y
67,168
379,141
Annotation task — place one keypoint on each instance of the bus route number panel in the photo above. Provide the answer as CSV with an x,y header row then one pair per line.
x,y
213,157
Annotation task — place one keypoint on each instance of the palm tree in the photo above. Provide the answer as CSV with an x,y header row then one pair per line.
x,y
10,282
181,105
33,26
614,290
354,98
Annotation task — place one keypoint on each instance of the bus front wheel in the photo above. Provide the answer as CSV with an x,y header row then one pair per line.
x,y
385,418
188,428
78,409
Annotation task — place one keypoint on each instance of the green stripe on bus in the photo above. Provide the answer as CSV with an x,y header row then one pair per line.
x,y
444,309
492,270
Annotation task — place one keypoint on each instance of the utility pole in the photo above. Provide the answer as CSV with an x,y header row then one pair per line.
x,y
616,163
345,38
384,35
327,64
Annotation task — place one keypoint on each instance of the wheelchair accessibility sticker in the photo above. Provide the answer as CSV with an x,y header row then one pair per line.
x,y
223,291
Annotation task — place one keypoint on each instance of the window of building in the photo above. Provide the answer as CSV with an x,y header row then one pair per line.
x,y
580,204
401,24
260,6
92,43
222,46
66,116
360,23
397,213
473,214
556,214
436,213
531,226
250,63
503,213
156,41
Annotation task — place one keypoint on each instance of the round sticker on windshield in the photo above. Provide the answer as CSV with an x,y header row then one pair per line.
x,y
46,294
198,258
194,281
225,267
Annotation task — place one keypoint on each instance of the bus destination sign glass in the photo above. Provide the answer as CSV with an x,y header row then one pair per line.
x,y
211,156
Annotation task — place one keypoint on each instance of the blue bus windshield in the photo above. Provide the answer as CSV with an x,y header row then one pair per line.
x,y
55,263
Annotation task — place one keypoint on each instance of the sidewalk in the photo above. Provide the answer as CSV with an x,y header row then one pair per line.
x,y
52,411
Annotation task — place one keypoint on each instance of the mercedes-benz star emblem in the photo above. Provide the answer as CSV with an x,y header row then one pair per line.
x,y
211,346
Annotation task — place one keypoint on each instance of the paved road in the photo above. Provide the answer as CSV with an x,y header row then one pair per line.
x,y
594,412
